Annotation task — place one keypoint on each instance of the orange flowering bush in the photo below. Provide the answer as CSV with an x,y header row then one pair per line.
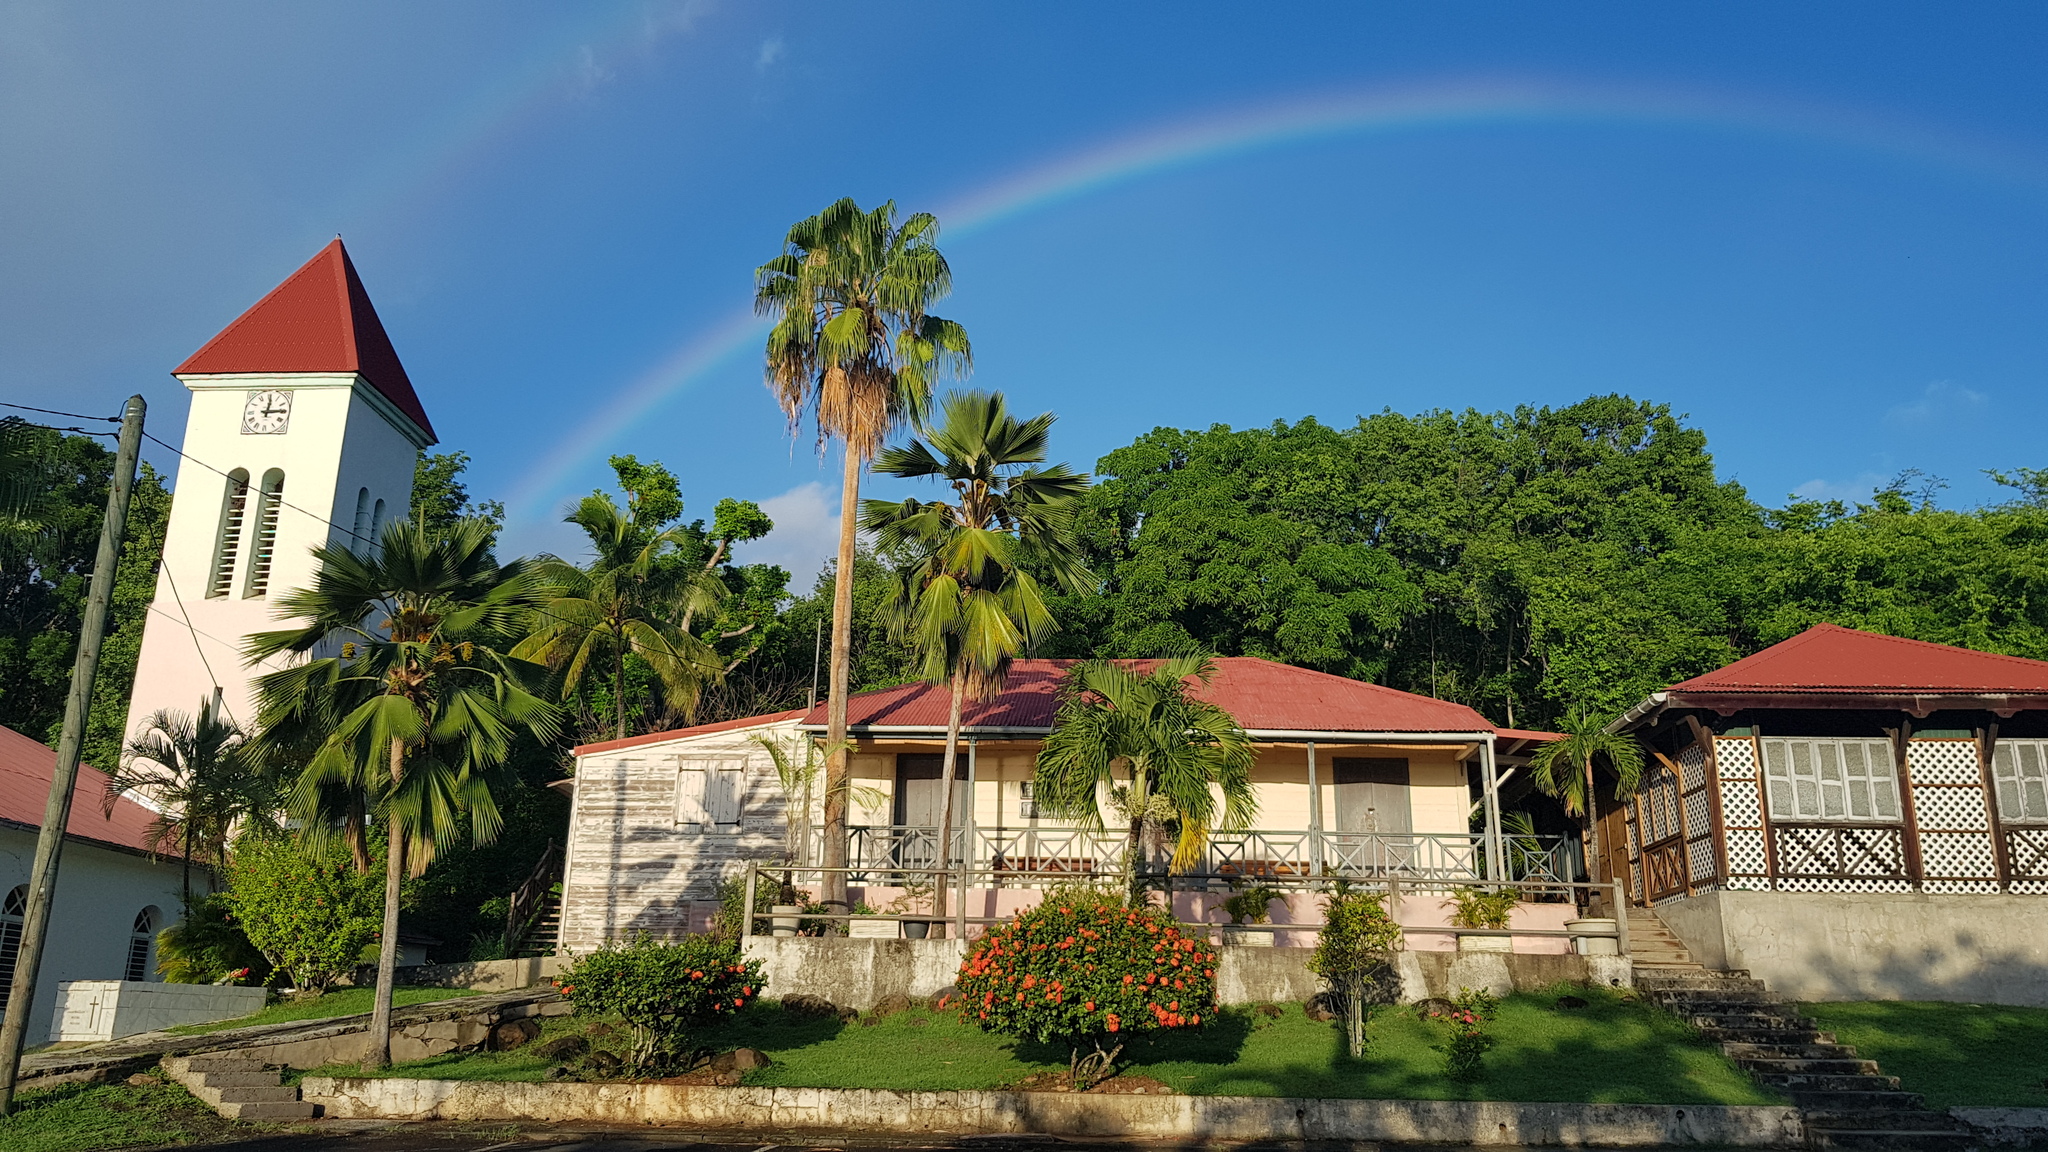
x,y
663,990
1087,970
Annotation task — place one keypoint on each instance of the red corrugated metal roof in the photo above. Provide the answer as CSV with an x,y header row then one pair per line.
x,y
697,730
1261,694
319,320
1828,658
25,769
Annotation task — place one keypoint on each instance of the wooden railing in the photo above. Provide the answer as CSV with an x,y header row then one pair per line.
x,y
531,897
1839,851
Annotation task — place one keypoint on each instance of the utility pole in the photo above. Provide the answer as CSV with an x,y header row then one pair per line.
x,y
64,778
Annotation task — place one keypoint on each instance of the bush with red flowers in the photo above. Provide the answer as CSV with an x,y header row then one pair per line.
x,y
663,990
1084,969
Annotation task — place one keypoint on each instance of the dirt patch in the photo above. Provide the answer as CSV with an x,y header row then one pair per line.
x,y
1114,1086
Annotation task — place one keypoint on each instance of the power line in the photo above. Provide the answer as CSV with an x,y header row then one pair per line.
x,y
73,415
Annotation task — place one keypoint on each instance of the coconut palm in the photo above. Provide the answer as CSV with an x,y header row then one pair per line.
x,y
197,773
1564,769
415,708
636,598
855,347
966,602
1169,745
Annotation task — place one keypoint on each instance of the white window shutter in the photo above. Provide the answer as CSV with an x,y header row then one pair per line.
x,y
725,784
690,789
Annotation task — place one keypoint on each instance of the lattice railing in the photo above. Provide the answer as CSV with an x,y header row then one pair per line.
x,y
1839,851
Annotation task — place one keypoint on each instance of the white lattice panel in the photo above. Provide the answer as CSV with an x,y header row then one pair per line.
x,y
1746,852
2027,852
1943,762
1870,885
1699,858
1950,810
1697,817
1739,804
1635,876
1630,822
1956,854
2030,887
1748,884
1959,886
1737,757
1692,765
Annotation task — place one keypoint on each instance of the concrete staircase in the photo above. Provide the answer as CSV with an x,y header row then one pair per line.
x,y
237,1087
1845,1100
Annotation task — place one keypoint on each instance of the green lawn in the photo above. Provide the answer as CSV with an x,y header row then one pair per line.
x,y
1953,1054
341,1002
84,1117
1610,1052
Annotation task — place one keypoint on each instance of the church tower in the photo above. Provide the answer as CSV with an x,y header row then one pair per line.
x,y
303,431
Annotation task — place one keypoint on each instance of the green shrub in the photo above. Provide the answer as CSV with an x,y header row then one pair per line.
x,y
1082,969
732,900
663,991
1465,1049
1352,952
208,946
309,916
1478,908
1249,906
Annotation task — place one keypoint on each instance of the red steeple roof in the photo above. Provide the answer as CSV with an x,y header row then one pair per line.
x,y
319,320
1828,658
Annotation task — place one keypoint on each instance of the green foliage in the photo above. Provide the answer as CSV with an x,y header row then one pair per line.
x,y
1478,908
309,915
1466,1047
464,893
1249,905
46,556
1079,968
730,919
1353,953
207,945
440,499
663,990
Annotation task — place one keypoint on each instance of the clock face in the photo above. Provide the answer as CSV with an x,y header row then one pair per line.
x,y
267,413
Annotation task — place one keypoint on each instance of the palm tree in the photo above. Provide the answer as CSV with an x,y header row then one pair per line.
x,y
201,778
635,599
966,602
1564,769
1171,748
855,346
417,710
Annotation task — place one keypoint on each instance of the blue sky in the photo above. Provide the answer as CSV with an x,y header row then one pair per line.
x,y
1818,230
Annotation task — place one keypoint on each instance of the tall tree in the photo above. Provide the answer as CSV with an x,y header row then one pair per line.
x,y
1564,769
418,708
966,600
1173,750
856,348
201,780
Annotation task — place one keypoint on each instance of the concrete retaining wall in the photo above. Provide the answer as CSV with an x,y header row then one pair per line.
x,y
1063,1114
861,973
1873,946
111,1009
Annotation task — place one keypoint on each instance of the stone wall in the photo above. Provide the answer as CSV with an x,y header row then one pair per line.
x,y
1873,946
111,1009
1177,1118
861,973
480,975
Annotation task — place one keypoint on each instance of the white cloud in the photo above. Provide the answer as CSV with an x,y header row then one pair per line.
x,y
1941,400
771,51
806,534
1847,491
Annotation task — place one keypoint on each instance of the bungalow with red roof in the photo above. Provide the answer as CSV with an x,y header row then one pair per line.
x,y
113,892
1849,816
1351,778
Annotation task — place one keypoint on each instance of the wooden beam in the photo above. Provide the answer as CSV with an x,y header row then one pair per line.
x,y
1987,746
1763,805
1901,736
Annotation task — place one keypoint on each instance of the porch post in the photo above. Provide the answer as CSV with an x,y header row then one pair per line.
x,y
967,845
1496,847
1315,815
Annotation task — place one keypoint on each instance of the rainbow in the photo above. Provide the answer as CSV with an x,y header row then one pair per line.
x,y
1221,136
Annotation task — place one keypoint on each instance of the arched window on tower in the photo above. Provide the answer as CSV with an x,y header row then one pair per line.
x,y
12,910
233,507
361,531
376,525
268,504
139,940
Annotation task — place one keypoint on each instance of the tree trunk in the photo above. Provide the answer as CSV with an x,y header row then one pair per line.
x,y
838,763
946,771
387,948
619,683
357,835
188,863
1592,829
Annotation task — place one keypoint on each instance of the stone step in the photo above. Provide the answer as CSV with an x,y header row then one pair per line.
x,y
247,1094
188,1065
1769,1035
1843,1103
1737,1051
1796,1067
1697,980
1701,997
268,1110
1747,1021
256,1079
1808,1081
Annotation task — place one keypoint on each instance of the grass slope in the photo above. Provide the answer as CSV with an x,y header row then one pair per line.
x,y
1609,1052
1954,1054
76,1116
341,1002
